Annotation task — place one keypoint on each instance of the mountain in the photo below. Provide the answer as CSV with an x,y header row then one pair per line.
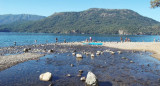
x,y
91,21
9,18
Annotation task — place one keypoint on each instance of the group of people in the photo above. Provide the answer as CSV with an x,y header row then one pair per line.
x,y
90,39
57,40
126,39
154,40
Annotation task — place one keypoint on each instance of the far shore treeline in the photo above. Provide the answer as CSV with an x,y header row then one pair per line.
x,y
91,21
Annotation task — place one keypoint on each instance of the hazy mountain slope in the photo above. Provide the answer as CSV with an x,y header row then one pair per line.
x,y
9,18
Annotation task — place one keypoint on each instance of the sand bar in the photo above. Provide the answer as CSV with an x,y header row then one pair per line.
x,y
10,60
153,47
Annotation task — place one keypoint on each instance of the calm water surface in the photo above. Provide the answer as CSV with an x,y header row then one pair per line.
x,y
111,70
8,39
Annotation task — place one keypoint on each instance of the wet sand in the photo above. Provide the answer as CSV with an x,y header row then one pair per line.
x,y
10,60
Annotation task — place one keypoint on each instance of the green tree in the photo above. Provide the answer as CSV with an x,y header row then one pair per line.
x,y
155,3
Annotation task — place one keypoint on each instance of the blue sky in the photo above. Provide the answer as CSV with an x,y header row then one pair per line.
x,y
48,7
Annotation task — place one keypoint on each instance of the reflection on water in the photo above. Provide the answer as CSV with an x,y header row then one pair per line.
x,y
109,69
79,59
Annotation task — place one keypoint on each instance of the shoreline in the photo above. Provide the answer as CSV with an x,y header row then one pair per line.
x,y
11,60
126,68
12,56
153,47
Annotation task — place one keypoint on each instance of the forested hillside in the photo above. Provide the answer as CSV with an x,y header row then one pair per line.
x,y
91,21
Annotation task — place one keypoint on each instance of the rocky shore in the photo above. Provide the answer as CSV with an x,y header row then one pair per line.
x,y
17,54
10,60
113,63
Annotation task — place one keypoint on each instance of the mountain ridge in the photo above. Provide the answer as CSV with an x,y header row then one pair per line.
x,y
92,21
11,18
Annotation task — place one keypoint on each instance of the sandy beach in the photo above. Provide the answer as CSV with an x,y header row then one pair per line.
x,y
153,47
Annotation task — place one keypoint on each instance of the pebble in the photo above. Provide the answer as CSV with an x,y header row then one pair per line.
x,y
112,52
73,54
68,75
50,51
123,57
92,55
72,65
83,78
119,52
79,75
80,71
131,62
51,84
78,55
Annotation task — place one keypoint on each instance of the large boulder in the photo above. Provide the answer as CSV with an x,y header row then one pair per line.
x,y
91,79
45,76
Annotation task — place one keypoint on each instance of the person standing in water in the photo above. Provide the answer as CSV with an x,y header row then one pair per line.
x,y
86,40
126,39
35,41
15,43
90,39
56,39
121,39
64,40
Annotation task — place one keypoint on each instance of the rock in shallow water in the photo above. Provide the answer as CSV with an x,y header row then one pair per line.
x,y
50,51
80,71
72,65
91,79
92,55
83,78
25,50
68,75
78,55
119,52
112,53
73,54
45,76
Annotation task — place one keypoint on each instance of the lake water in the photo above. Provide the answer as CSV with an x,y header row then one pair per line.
x,y
111,70
8,39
